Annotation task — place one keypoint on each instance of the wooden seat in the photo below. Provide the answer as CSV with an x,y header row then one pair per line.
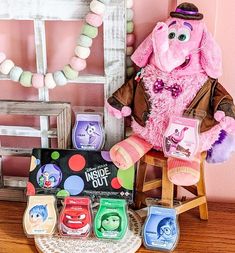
x,y
157,159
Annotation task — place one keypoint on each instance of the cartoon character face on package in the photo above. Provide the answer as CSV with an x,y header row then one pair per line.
x,y
76,221
75,217
110,222
37,215
49,176
166,229
40,217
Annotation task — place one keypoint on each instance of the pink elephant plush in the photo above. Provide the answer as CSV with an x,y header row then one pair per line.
x,y
180,63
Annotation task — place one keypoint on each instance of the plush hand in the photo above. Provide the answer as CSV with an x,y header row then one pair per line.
x,y
227,123
125,111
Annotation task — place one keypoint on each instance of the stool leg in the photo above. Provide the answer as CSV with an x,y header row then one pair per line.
x,y
167,188
201,191
140,180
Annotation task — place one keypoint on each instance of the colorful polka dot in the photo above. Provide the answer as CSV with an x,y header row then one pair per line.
x,y
126,178
30,189
106,156
115,183
74,185
55,155
77,162
63,193
33,163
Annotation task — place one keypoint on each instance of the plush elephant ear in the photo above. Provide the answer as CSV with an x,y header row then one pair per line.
x,y
211,58
142,53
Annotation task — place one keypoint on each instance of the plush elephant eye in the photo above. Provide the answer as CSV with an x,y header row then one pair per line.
x,y
184,35
171,34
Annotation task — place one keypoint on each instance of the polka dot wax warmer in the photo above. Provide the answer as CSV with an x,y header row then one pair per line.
x,y
75,218
40,217
111,219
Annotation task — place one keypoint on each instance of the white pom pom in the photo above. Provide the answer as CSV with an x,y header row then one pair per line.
x,y
82,52
49,81
6,66
129,4
97,7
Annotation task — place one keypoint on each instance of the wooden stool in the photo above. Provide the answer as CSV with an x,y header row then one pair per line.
x,y
157,159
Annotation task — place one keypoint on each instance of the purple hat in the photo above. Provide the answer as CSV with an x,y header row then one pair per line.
x,y
187,11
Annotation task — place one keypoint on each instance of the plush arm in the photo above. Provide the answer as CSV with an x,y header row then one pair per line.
x,y
120,111
223,147
119,103
227,107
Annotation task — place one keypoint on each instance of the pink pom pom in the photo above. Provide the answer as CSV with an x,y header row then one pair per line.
x,y
94,19
38,80
219,115
77,63
126,111
130,39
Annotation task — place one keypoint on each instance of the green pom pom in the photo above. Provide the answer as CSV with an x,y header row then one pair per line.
x,y
70,73
130,27
90,31
26,79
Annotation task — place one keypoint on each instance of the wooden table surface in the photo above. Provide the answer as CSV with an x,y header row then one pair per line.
x,y
216,235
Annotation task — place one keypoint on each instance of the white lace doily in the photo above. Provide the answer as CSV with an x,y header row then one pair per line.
x,y
129,244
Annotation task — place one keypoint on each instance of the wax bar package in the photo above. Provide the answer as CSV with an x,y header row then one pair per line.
x,y
88,132
111,220
40,217
181,138
76,217
161,230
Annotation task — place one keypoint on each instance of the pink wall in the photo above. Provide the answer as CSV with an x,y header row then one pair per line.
x,y
16,40
219,18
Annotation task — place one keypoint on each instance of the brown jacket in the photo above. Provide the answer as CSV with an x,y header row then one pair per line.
x,y
210,98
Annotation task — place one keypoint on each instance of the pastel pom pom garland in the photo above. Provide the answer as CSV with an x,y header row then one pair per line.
x,y
93,20
130,38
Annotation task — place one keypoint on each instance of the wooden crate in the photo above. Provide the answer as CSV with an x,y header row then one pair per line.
x,y
14,186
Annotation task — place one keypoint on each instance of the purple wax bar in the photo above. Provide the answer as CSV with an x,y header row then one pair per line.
x,y
88,133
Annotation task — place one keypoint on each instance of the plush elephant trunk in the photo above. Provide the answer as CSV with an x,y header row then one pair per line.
x,y
167,56
179,137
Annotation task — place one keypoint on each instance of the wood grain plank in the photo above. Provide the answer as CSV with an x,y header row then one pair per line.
x,y
12,194
114,62
16,182
35,108
41,62
26,131
44,9
10,151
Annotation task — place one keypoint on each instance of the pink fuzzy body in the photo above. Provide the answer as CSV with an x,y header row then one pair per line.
x,y
166,58
164,105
